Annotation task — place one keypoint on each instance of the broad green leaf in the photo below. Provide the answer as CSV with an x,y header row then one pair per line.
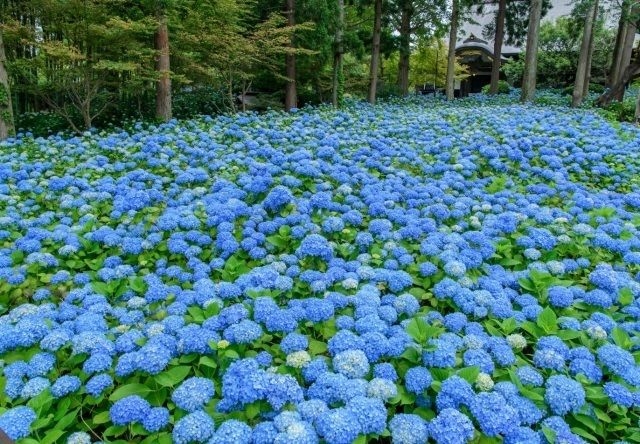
x,y
469,373
208,362
621,338
625,297
52,436
173,376
252,410
102,418
128,390
547,320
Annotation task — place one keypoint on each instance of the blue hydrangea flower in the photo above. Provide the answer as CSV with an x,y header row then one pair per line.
x,y
98,384
195,427
563,395
156,420
417,380
338,426
451,427
193,394
65,385
408,429
232,431
493,414
17,421
619,394
351,363
530,376
128,410
294,342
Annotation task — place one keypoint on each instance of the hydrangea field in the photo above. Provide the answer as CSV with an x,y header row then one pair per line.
x,y
412,272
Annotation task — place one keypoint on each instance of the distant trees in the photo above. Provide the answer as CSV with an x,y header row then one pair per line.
x,y
96,61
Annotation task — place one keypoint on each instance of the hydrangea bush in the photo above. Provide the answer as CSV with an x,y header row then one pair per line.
x,y
409,272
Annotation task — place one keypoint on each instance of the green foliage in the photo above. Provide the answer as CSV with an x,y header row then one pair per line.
x,y
558,52
429,64
503,87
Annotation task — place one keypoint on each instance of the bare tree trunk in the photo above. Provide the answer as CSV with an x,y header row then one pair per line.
x,y
636,117
497,46
531,57
451,55
290,92
163,65
587,74
7,127
617,49
627,50
375,52
338,79
583,60
405,47
617,89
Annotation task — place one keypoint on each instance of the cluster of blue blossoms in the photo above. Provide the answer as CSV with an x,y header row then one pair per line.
x,y
423,274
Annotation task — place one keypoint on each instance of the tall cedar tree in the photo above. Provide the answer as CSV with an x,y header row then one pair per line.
x,y
6,109
531,56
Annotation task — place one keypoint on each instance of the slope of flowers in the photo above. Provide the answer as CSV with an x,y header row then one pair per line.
x,y
410,272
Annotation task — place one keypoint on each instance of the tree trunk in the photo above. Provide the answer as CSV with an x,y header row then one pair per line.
x,y
583,60
375,52
497,46
636,116
405,47
617,89
7,127
290,92
451,55
627,50
338,75
163,66
617,49
531,57
587,74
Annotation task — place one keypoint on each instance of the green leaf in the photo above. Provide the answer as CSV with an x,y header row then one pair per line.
x,y
508,325
549,434
252,410
231,354
114,431
128,390
584,434
568,335
361,439
469,373
208,362
621,338
173,376
101,288
17,256
277,241
625,297
602,416
547,320
67,420
420,331
102,418
137,284
317,347
52,436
